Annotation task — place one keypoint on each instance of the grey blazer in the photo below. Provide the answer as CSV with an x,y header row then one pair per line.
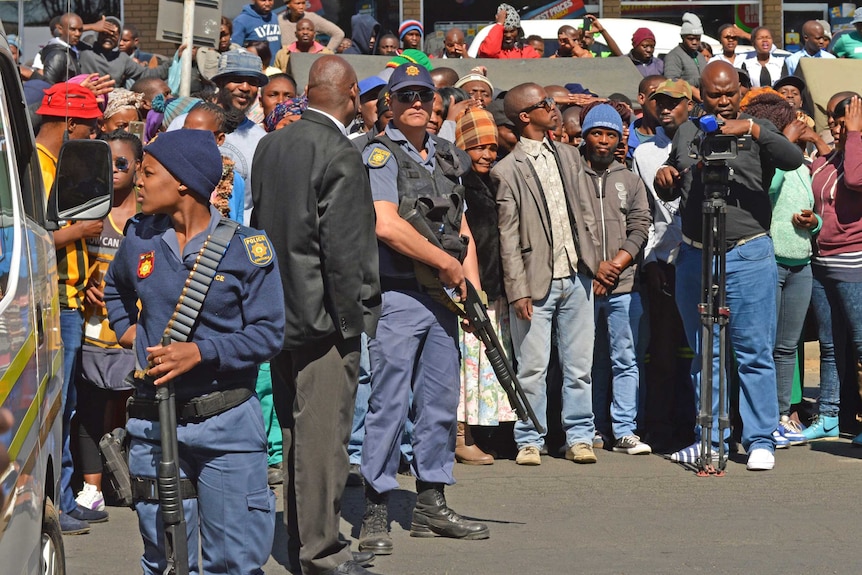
x,y
525,229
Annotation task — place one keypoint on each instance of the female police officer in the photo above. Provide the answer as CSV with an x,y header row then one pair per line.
x,y
222,445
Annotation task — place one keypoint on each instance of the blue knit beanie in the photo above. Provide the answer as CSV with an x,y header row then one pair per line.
x,y
602,116
191,156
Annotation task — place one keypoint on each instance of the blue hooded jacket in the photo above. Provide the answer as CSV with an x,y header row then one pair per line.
x,y
251,25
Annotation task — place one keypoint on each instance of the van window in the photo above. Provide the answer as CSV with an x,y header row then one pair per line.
x,y
7,221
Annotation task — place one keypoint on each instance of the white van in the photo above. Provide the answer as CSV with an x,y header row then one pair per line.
x,y
31,351
621,30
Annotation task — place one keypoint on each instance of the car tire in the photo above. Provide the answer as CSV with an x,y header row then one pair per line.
x,y
52,553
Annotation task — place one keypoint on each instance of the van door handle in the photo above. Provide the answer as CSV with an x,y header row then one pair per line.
x,y
40,325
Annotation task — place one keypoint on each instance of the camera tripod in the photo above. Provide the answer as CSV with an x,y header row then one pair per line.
x,y
713,312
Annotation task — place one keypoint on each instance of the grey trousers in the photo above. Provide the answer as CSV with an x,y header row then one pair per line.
x,y
314,389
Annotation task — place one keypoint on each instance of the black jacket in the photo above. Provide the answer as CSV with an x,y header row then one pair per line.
x,y
481,215
59,63
312,197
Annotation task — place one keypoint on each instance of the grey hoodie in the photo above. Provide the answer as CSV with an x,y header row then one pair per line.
x,y
622,214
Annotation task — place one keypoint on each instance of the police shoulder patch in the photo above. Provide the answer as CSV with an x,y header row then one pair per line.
x,y
258,249
378,157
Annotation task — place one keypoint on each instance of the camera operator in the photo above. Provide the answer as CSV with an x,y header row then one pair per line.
x,y
750,273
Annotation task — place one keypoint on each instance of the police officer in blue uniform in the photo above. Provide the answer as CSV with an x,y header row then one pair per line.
x,y
416,343
222,447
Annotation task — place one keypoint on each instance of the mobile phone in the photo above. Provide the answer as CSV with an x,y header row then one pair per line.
x,y
137,128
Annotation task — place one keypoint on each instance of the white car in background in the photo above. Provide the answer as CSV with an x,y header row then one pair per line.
x,y
621,30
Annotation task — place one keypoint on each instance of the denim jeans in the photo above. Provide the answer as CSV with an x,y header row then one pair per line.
x,y
616,355
750,277
792,299
837,307
72,334
569,308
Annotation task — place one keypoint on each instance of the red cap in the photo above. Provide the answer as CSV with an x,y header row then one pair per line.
x,y
69,100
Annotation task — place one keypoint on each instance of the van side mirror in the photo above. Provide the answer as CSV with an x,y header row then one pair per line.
x,y
84,186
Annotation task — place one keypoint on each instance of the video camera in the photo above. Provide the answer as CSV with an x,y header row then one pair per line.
x,y
715,146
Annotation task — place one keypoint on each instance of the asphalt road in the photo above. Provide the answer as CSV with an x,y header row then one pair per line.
x,y
625,515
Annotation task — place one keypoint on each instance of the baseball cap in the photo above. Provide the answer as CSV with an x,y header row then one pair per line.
x,y
674,89
794,81
69,100
410,75
368,84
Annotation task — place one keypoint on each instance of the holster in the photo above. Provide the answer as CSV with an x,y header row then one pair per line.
x,y
115,450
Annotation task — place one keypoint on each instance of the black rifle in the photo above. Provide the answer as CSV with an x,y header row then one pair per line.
x,y
170,496
474,309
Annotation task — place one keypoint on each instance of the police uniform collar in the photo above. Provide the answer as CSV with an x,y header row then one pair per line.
x,y
399,138
193,246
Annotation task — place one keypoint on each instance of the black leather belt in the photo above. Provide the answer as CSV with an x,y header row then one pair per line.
x,y
400,284
195,409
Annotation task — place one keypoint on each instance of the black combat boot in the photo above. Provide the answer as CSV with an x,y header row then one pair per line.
x,y
374,534
432,516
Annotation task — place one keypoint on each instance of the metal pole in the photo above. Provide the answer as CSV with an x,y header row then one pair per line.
x,y
188,40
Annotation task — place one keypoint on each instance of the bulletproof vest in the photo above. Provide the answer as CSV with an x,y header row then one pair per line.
x,y
440,187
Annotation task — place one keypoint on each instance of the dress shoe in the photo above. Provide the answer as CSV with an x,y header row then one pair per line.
x,y
364,558
466,451
349,568
432,516
354,476
275,475
374,533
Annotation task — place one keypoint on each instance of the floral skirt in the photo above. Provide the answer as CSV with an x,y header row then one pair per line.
x,y
482,400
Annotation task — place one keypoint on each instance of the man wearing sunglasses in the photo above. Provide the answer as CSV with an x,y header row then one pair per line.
x,y
547,245
416,343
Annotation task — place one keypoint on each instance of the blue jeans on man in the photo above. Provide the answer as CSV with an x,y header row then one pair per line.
x,y
750,279
616,357
568,308
72,334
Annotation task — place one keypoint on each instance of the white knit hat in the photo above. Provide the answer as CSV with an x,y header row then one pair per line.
x,y
691,25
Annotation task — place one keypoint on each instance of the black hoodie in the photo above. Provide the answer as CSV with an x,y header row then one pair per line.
x,y
363,29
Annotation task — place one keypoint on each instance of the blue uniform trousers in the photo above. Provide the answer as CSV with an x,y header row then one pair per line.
x,y
233,516
416,346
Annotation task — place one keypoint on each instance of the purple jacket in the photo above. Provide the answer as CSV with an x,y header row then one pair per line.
x,y
652,67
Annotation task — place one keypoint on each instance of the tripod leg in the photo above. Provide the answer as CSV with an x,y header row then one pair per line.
x,y
707,339
723,317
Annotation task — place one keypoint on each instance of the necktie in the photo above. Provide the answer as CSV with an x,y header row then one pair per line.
x,y
765,78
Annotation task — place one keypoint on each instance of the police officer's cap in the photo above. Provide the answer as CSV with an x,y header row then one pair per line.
x,y
410,75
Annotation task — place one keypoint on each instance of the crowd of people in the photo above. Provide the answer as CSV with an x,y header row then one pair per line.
x,y
372,204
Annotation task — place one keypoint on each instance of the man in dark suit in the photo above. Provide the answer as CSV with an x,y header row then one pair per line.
x,y
311,193
549,261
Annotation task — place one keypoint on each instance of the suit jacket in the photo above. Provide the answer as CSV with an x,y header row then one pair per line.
x,y
311,195
524,222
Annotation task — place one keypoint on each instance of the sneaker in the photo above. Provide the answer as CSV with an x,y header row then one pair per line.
x,y
581,453
91,498
89,515
632,445
71,526
781,442
791,430
826,427
529,455
598,440
857,441
760,459
691,454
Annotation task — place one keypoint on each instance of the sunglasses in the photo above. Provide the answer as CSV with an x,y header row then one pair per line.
x,y
410,96
548,104
122,163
